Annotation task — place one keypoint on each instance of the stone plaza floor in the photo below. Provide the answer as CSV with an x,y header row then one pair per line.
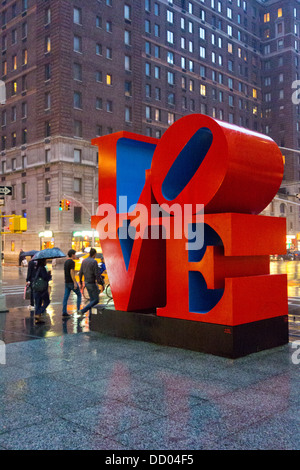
x,y
94,392
64,387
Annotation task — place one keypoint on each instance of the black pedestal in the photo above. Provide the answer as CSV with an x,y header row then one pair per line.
x,y
221,340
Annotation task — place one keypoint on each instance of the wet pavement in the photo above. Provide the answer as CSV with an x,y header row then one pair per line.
x,y
65,387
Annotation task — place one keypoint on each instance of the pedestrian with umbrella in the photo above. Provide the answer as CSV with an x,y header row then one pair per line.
x,y
41,281
31,273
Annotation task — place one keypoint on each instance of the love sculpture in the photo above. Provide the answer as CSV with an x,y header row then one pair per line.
x,y
186,252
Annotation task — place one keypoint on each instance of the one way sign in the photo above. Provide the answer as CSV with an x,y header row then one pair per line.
x,y
5,190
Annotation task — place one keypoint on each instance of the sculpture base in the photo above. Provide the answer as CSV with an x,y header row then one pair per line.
x,y
221,340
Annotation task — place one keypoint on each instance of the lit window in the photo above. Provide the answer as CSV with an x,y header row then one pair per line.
x,y
25,56
203,90
279,12
266,17
47,44
14,62
108,79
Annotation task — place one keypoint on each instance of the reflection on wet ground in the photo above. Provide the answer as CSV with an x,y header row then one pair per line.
x,y
19,324
292,270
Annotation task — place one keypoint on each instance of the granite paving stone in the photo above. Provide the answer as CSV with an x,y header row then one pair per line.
x,y
91,391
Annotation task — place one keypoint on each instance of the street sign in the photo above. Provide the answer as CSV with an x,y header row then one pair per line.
x,y
6,190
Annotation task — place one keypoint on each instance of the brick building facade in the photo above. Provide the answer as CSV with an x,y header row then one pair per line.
x,y
75,71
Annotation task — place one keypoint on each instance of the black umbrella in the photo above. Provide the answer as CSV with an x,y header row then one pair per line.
x,y
49,253
30,253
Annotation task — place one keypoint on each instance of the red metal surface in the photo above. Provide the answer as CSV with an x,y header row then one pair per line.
x,y
237,178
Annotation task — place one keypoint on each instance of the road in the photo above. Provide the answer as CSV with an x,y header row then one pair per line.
x,y
18,325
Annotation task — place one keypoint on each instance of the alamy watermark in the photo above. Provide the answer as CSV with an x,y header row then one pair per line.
x,y
2,92
2,353
296,94
177,221
296,353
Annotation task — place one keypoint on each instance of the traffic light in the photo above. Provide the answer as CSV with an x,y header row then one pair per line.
x,y
62,205
17,224
67,205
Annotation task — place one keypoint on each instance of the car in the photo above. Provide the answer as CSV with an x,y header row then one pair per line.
x,y
82,256
295,255
289,256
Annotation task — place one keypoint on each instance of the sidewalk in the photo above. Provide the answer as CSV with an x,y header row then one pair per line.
x,y
91,391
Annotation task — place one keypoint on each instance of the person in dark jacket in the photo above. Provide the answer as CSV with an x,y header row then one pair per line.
x,y
31,272
89,269
21,257
41,299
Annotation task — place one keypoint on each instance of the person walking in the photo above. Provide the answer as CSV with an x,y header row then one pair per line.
x,y
70,283
89,269
40,286
31,273
21,257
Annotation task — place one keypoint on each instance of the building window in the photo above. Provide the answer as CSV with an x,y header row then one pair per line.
x,y
4,67
47,44
77,156
24,57
47,187
108,79
47,129
77,43
98,103
14,62
47,72
77,100
24,136
109,53
24,30
13,114
127,63
47,155
24,5
77,215
23,190
128,88
77,185
108,26
47,100
77,128
24,110
47,16
127,37
98,22
109,106
77,72
47,215
127,12
14,88
128,114
14,139
99,76
99,49
77,16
